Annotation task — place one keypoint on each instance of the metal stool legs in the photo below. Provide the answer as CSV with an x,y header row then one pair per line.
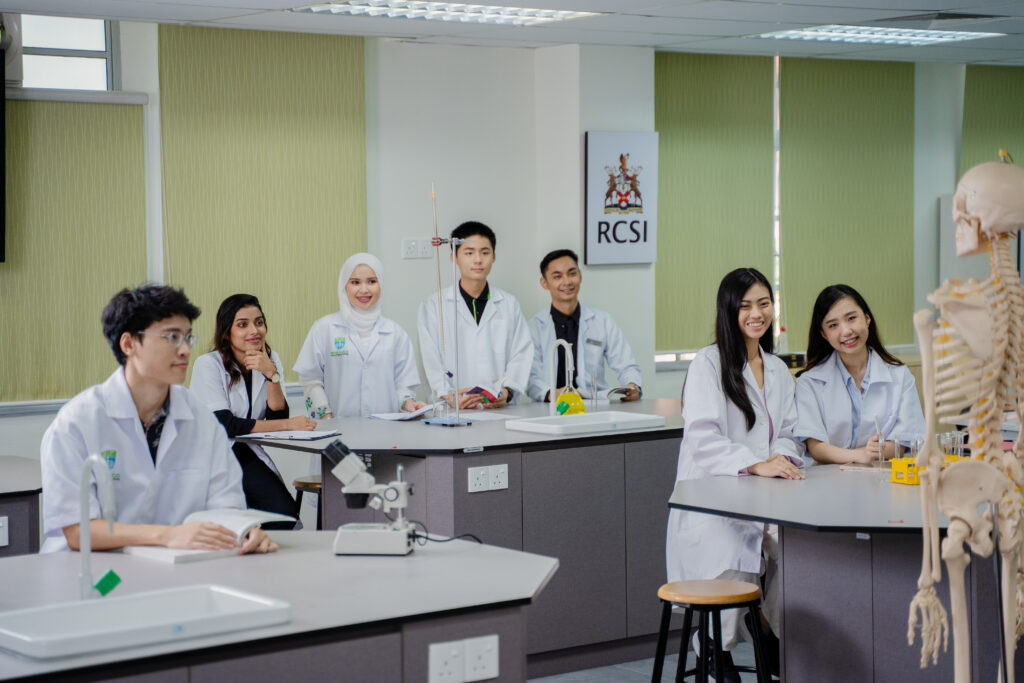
x,y
710,643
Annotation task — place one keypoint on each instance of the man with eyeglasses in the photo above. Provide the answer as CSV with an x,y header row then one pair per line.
x,y
167,453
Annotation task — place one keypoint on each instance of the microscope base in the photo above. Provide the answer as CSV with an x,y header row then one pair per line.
x,y
357,538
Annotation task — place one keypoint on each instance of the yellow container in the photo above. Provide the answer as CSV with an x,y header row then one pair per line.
x,y
570,403
904,471
947,459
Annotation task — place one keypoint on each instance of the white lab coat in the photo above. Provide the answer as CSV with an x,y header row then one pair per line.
x,y
211,383
716,442
825,409
359,378
499,348
195,468
602,342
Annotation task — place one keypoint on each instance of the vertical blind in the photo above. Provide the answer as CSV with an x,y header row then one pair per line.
x,y
993,115
264,171
713,115
846,175
76,235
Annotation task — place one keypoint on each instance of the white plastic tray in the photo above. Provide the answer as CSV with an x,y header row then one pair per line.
x,y
585,423
87,626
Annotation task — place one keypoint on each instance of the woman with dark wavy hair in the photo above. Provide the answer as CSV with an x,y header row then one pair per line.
x,y
851,386
240,381
738,415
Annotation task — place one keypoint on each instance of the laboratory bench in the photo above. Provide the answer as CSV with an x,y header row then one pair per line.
x,y
352,618
20,485
850,558
594,501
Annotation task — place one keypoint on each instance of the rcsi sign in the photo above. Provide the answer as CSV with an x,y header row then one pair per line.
x,y
621,213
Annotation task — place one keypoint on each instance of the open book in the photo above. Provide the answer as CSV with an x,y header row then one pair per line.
x,y
238,521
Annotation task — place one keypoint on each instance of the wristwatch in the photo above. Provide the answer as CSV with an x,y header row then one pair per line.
x,y
276,379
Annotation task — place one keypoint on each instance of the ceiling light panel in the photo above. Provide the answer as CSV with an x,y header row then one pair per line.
x,y
446,11
875,35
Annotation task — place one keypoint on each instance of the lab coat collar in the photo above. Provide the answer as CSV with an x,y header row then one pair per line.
x,y
489,312
381,326
829,371
748,374
117,399
586,313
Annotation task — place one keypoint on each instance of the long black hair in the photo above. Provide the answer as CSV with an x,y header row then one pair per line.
x,y
732,345
222,333
818,348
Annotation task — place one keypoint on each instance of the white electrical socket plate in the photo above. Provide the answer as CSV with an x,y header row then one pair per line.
x,y
498,477
446,662
409,248
481,657
479,479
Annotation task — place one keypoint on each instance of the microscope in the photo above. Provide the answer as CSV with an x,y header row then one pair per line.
x,y
361,489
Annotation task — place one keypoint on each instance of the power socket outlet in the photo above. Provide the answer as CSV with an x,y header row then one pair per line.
x,y
479,479
409,248
446,662
481,656
426,249
498,477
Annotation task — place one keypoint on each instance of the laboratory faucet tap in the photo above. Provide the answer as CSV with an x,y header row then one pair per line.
x,y
94,464
553,408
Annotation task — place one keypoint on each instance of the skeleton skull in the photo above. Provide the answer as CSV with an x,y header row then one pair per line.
x,y
989,201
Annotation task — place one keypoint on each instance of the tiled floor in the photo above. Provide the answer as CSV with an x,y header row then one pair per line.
x,y
640,670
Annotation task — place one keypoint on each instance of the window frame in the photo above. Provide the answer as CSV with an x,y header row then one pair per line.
x,y
112,55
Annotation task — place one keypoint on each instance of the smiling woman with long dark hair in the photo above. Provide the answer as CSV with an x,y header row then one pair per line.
x,y
738,416
240,381
851,386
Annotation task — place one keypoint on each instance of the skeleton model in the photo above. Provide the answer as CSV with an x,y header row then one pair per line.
x,y
973,368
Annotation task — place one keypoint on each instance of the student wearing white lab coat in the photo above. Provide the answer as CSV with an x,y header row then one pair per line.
x,y
495,350
851,387
356,362
594,336
240,381
171,457
738,416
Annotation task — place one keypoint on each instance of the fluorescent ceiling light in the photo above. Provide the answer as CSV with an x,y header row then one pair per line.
x,y
445,11
875,35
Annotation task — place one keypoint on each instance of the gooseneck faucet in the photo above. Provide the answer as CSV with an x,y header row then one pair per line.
x,y
94,464
553,408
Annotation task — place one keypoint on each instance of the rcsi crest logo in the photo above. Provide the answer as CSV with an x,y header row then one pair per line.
x,y
621,207
623,194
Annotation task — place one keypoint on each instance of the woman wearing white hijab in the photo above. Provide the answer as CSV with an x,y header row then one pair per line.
x,y
356,362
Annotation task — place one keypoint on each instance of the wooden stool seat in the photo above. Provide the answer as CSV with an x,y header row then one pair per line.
x,y
707,598
312,483
709,592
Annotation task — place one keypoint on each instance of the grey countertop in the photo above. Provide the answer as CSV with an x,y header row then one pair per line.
x,y
325,591
19,475
414,437
827,500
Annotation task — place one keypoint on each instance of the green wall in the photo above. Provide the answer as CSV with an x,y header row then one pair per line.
x,y
264,153
713,117
75,235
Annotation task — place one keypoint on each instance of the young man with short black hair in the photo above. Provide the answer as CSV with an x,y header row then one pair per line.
x,y
495,350
170,455
594,336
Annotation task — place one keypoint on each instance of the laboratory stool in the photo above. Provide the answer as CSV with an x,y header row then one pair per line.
x,y
311,484
708,599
